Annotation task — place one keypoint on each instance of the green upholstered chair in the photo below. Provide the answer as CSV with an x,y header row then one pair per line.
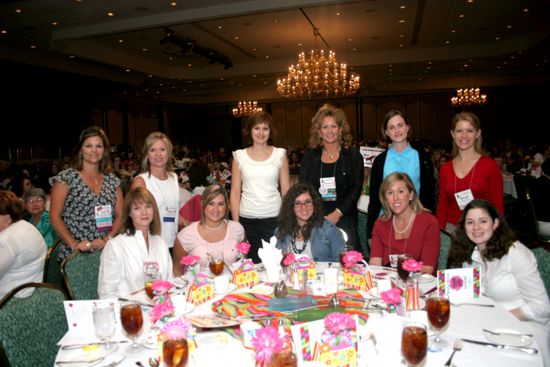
x,y
444,249
80,273
31,327
543,264
52,268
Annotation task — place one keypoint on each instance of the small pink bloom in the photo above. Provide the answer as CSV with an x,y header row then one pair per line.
x,y
352,257
392,297
412,265
289,259
162,286
456,283
266,341
243,247
336,322
189,260
161,310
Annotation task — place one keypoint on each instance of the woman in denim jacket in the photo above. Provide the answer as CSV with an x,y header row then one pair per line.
x,y
302,227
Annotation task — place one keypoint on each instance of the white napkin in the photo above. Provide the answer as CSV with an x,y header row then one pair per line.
x,y
271,257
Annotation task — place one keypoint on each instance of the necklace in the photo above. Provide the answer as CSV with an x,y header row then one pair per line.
x,y
295,248
331,155
406,228
206,226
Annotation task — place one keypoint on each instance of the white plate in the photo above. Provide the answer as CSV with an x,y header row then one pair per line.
x,y
231,288
513,340
374,292
180,282
216,340
426,278
150,340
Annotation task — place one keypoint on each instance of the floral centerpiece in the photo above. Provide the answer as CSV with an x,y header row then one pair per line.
x,y
338,330
190,265
412,266
392,298
351,258
356,271
163,308
267,342
412,298
243,248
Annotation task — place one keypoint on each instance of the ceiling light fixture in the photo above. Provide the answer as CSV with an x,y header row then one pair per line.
x,y
246,108
318,74
468,97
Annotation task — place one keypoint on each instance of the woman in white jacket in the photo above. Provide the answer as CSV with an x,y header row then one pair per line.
x,y
137,250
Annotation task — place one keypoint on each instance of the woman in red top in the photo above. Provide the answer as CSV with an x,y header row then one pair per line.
x,y
470,175
405,227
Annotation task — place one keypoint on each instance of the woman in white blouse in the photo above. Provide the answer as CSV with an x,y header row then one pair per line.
x,y
509,269
138,249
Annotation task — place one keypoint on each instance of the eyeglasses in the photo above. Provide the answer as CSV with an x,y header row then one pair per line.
x,y
300,204
35,201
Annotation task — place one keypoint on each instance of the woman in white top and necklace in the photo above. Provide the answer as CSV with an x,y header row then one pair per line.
x,y
158,177
259,178
214,232
138,248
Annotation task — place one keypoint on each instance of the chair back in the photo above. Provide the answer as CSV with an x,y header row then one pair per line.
x,y
80,272
444,249
31,327
52,268
543,264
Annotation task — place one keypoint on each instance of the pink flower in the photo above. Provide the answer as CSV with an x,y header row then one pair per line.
x,y
162,286
289,259
336,322
456,283
243,247
179,328
161,310
412,265
266,341
189,260
351,258
392,297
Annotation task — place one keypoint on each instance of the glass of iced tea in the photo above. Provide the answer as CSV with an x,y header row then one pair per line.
x,y
414,343
403,274
131,318
284,358
175,352
439,312
215,262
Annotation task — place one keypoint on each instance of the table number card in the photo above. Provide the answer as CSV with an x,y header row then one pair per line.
x,y
358,278
200,290
460,284
246,275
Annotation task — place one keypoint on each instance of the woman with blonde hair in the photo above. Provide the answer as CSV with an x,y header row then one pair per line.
x,y
159,178
405,227
335,169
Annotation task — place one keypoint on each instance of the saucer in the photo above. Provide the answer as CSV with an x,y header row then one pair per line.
x,y
425,278
213,340
230,289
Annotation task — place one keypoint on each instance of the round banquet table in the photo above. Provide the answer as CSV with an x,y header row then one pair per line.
x,y
466,322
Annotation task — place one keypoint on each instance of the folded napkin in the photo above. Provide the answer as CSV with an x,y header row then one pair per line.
x,y
271,257
81,357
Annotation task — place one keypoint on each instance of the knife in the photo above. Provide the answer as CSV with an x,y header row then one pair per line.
x,y
502,346
78,346
136,301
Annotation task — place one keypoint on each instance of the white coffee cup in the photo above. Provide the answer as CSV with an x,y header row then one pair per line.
x,y
221,283
331,280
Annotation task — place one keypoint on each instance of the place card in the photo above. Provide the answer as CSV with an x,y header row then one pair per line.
x,y
200,290
304,262
460,284
246,275
358,278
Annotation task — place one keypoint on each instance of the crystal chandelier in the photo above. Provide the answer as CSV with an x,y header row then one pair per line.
x,y
246,108
468,97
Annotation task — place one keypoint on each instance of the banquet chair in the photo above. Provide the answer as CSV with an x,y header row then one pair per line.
x,y
80,274
444,249
31,327
52,268
543,264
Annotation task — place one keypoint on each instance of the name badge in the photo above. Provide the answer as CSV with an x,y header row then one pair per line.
x,y
103,218
463,198
169,215
393,260
327,188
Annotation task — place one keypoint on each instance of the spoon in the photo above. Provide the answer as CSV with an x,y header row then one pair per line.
x,y
89,361
153,362
139,364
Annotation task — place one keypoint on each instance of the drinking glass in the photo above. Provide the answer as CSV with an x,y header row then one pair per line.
x,y
286,251
215,262
175,352
439,312
105,323
343,253
131,318
403,274
284,358
414,343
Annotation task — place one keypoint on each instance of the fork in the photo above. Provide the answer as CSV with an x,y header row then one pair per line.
x,y
456,347
520,335
471,304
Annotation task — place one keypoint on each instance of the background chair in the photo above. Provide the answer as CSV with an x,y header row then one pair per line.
x,y
52,268
31,327
543,264
80,273
444,249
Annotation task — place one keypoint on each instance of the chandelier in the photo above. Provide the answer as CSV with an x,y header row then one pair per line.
x,y
468,97
246,108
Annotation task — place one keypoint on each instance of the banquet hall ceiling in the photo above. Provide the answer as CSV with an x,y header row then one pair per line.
x,y
201,51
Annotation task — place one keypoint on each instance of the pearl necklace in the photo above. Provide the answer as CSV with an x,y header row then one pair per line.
x,y
206,226
406,228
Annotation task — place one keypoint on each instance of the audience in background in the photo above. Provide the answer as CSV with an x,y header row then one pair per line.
x,y
540,196
35,203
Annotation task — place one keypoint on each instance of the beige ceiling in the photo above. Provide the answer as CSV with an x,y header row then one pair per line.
x,y
397,46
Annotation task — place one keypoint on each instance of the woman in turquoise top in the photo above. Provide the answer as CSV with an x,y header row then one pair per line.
x,y
35,203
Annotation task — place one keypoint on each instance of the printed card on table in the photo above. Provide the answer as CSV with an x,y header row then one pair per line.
x,y
460,284
246,275
358,278
313,342
304,262
200,290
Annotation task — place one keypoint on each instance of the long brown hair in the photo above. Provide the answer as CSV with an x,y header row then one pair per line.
x,y
476,124
88,132
139,195
209,194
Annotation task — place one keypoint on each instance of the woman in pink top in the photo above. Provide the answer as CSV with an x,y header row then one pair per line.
x,y
214,232
470,175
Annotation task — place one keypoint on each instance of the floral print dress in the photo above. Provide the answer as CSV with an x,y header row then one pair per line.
x,y
78,212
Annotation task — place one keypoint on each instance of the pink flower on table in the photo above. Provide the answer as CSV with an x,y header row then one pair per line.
x,y
289,259
392,297
351,258
161,310
412,265
336,322
456,282
189,260
243,247
162,286
266,342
